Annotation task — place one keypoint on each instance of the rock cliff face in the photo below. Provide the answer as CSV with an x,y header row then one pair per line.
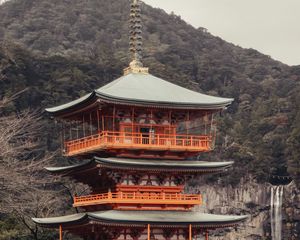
x,y
252,199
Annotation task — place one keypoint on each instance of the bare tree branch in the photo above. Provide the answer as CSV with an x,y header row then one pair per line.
x,y
26,189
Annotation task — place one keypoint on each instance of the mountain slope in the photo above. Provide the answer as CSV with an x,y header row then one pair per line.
x,y
68,47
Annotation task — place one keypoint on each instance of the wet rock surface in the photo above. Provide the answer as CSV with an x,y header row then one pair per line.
x,y
252,199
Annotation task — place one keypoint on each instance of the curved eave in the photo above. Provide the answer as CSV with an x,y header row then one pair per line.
x,y
73,106
164,104
85,101
73,219
140,218
162,165
66,169
146,165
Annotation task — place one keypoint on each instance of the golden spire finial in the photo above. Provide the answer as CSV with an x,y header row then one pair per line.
x,y
136,64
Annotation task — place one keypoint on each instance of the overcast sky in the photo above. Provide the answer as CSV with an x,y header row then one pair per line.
x,y
270,26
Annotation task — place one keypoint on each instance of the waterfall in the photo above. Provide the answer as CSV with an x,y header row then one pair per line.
x,y
275,211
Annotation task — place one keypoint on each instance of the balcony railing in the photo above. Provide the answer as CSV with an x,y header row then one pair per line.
x,y
141,199
122,140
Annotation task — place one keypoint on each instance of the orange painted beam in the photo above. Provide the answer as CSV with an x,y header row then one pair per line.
x,y
158,189
154,208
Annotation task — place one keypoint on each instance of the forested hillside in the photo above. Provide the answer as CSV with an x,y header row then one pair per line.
x,y
61,49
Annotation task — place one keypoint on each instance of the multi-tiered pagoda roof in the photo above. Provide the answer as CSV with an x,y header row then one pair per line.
x,y
140,90
137,140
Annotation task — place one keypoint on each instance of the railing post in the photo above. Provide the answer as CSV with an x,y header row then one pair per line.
x,y
148,232
190,232
60,233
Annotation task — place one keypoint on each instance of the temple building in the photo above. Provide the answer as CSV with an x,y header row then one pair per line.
x,y
136,139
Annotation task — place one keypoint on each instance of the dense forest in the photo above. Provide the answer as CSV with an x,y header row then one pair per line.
x,y
55,51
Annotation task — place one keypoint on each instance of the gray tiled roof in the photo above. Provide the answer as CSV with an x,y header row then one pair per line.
x,y
142,217
146,89
162,165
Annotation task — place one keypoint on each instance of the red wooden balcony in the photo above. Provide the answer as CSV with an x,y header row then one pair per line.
x,y
138,141
138,200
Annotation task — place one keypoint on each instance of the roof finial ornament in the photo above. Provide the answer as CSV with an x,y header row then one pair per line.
x,y
136,65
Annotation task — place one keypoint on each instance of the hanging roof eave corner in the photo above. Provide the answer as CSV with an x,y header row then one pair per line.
x,y
73,105
70,168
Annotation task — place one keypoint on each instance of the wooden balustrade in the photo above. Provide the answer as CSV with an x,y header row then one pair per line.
x,y
137,198
124,140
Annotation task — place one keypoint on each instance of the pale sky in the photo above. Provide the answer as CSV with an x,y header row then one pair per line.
x,y
270,26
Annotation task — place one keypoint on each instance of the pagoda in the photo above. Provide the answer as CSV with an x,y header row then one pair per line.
x,y
135,139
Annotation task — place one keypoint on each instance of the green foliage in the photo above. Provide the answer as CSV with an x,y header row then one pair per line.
x,y
8,229
11,229
61,50
68,48
293,144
